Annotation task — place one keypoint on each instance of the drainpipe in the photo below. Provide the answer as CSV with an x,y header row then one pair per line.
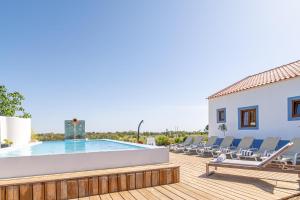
x,y
138,133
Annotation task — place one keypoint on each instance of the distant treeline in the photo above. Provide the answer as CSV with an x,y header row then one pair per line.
x,y
164,138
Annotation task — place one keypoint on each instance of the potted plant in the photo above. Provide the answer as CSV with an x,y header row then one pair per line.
x,y
7,143
223,128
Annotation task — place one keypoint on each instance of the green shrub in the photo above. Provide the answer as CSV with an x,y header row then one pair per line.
x,y
129,136
184,138
8,142
178,140
162,140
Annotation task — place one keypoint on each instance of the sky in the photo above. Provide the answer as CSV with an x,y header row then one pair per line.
x,y
115,62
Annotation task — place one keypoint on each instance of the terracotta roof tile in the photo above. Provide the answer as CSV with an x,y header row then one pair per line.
x,y
280,73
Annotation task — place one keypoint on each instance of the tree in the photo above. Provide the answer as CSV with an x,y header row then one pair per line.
x,y
11,104
223,128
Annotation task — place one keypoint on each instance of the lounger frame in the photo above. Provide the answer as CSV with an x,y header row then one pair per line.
x,y
265,165
292,169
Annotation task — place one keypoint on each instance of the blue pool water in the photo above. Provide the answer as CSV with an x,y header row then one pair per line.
x,y
68,146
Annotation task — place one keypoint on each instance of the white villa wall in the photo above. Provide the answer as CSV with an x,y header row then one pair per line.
x,y
272,101
16,129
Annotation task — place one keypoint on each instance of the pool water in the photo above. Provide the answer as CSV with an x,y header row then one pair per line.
x,y
68,147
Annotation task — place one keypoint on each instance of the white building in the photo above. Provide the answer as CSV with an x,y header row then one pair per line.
x,y
16,129
261,105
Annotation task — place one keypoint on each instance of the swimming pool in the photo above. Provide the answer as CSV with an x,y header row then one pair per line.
x,y
69,146
76,155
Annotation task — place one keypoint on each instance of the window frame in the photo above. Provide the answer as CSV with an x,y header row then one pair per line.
x,y
248,109
221,110
291,108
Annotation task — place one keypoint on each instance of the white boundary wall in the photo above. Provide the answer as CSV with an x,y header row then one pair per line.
x,y
16,129
272,101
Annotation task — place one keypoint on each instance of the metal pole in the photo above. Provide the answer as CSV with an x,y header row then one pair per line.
x,y
138,133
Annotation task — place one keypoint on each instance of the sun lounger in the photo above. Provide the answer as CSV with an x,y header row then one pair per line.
x,y
252,165
191,149
210,144
224,147
196,142
266,149
244,144
186,142
292,156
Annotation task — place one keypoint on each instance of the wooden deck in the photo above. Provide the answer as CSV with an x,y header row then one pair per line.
x,y
87,183
225,184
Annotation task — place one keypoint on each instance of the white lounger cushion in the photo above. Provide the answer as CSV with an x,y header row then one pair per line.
x,y
197,140
245,143
241,162
269,144
187,141
227,141
211,140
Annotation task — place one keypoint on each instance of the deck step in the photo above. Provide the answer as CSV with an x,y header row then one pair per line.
x,y
88,183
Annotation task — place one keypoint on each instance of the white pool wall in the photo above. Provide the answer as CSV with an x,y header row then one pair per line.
x,y
24,166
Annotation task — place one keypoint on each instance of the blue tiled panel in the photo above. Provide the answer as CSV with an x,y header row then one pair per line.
x,y
257,143
236,142
281,143
219,141
72,132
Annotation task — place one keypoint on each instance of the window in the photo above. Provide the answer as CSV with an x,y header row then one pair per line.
x,y
221,115
248,117
296,108
293,108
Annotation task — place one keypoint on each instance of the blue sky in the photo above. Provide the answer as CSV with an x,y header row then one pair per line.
x,y
116,62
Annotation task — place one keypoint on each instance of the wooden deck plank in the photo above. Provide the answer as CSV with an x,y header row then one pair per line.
x,y
50,190
84,198
26,192
170,194
113,183
38,191
83,187
139,180
148,195
194,192
158,194
2,193
137,195
127,196
12,193
93,186
95,197
72,189
182,194
116,196
105,197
